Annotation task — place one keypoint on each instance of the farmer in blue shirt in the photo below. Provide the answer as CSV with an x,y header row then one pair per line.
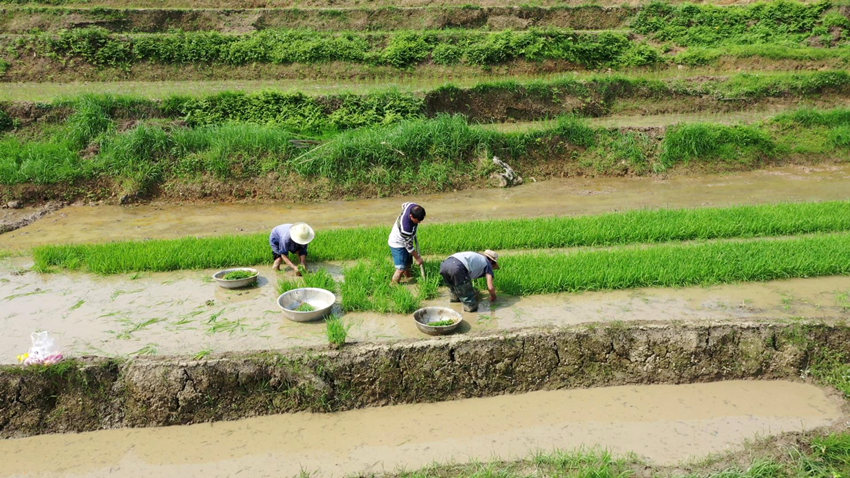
x,y
460,269
404,245
290,238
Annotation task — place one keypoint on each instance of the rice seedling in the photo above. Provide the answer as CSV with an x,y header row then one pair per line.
x,y
305,307
236,275
644,226
336,331
321,279
367,287
441,323
675,265
149,349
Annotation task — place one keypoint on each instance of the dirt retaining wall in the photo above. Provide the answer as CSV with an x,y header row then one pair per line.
x,y
585,17
96,393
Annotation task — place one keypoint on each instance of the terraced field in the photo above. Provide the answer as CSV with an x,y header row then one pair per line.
x,y
338,104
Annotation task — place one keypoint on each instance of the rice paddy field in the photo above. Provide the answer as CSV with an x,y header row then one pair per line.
x,y
349,105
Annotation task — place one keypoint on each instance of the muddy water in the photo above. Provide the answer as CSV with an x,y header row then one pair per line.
x,y
664,424
557,197
184,312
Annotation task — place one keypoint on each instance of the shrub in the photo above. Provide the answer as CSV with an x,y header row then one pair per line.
x,y
446,54
406,49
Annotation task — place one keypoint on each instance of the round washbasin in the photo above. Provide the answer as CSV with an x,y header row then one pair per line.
x,y
437,320
305,298
240,277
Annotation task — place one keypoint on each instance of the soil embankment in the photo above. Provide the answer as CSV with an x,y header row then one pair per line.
x,y
585,17
91,394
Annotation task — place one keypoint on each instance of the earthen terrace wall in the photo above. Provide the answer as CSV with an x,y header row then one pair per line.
x,y
94,393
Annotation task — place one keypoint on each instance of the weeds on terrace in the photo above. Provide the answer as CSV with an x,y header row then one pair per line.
x,y
400,49
427,152
675,265
710,25
649,226
743,145
834,369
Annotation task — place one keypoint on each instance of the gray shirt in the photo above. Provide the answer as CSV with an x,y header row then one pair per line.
x,y
477,264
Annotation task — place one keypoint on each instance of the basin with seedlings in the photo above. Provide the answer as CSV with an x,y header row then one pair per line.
x,y
437,320
236,278
306,304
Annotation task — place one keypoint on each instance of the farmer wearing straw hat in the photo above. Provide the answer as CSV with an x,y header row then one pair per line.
x,y
290,238
460,269
404,245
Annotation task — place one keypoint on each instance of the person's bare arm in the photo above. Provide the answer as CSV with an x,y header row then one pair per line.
x,y
491,288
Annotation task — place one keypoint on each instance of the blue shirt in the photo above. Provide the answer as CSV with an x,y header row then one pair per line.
x,y
283,244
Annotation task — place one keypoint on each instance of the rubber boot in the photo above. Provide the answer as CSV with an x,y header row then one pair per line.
x,y
453,295
468,295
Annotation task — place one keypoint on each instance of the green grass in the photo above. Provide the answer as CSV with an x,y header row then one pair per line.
x,y
649,226
746,146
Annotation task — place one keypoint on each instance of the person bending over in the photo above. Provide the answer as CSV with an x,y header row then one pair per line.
x,y
460,269
290,238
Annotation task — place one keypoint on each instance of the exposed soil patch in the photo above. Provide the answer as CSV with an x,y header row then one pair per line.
x,y
14,216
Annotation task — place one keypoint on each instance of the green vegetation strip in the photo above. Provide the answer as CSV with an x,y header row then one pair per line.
x,y
825,456
357,243
399,49
675,265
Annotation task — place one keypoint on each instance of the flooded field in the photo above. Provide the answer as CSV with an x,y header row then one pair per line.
x,y
573,196
186,312
663,424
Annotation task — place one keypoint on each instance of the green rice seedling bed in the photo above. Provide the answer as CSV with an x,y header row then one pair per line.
x,y
648,226
675,265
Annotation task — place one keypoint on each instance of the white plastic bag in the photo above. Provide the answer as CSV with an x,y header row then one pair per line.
x,y
43,350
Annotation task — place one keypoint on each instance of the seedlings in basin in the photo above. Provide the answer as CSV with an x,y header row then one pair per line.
x,y
441,323
237,275
305,307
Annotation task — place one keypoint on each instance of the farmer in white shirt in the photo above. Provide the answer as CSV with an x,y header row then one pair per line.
x,y
404,245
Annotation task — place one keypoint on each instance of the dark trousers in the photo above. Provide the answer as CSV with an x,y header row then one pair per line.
x,y
460,284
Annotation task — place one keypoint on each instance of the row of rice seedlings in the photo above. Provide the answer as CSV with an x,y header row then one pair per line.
x,y
675,265
643,226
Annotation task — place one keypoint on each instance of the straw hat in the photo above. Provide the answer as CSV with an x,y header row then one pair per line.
x,y
492,256
301,233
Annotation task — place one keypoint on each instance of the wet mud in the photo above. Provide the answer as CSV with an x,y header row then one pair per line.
x,y
564,197
663,424
186,312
